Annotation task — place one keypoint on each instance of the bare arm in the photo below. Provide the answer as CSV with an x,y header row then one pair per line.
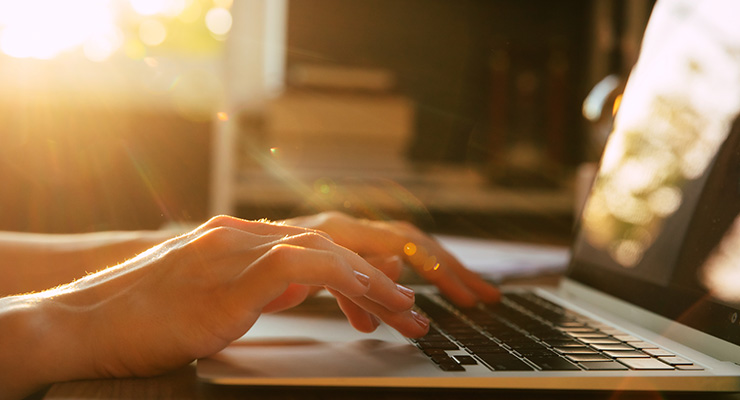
x,y
184,299
33,262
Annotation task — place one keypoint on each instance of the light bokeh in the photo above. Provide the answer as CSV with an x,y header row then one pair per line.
x,y
100,29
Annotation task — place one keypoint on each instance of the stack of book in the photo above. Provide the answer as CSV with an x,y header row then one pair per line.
x,y
340,120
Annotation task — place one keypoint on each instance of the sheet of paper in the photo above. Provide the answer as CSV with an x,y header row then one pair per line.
x,y
497,260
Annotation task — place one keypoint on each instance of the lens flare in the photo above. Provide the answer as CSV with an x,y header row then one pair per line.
x,y
218,21
409,249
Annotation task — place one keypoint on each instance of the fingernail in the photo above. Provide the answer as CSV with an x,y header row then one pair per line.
x,y
420,319
395,259
362,278
408,292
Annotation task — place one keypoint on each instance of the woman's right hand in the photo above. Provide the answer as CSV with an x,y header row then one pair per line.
x,y
192,295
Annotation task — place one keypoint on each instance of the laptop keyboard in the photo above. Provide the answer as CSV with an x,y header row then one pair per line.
x,y
525,332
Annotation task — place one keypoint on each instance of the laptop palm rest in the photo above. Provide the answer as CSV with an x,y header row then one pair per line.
x,y
313,340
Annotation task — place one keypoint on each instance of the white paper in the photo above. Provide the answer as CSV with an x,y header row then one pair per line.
x,y
497,260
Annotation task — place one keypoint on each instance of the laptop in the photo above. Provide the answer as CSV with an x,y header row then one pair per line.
x,y
651,297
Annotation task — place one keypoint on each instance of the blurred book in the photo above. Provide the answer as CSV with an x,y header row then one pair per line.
x,y
347,127
328,76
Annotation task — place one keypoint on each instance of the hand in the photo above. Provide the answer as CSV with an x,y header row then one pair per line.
x,y
191,296
381,242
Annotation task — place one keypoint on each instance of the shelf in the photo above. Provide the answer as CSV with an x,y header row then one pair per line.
x,y
439,189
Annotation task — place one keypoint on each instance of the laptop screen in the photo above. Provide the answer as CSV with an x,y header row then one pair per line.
x,y
661,227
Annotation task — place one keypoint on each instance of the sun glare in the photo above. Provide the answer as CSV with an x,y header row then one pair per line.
x,y
29,32
44,29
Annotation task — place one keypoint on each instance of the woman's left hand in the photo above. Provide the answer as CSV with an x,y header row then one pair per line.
x,y
389,244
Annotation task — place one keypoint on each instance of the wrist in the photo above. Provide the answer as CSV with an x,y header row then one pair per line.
x,y
44,345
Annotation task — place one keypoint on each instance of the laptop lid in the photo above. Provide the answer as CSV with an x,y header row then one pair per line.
x,y
661,228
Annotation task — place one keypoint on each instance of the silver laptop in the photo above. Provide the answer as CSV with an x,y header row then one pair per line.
x,y
652,294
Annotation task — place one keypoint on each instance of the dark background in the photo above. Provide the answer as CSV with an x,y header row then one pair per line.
x,y
484,74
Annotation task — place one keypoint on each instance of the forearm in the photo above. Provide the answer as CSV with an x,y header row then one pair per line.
x,y
40,346
35,262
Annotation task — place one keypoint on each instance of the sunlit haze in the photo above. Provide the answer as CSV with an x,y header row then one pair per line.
x,y
44,29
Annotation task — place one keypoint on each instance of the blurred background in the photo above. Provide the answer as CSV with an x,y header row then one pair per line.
x,y
467,116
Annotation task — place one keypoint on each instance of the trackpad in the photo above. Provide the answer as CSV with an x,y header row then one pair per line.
x,y
312,340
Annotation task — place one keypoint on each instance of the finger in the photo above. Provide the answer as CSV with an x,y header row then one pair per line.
x,y
438,266
383,290
270,275
377,238
294,295
360,319
485,291
392,238
391,266
409,323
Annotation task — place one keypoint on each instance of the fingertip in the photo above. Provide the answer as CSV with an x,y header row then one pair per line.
x,y
464,298
392,266
367,324
489,293
421,327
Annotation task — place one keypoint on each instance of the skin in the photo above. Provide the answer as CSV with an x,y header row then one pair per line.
x,y
192,295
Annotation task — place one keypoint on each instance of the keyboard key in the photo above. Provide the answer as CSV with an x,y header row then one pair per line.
x,y
521,340
611,331
658,352
553,363
433,352
487,349
592,335
535,351
627,338
578,329
675,360
611,347
565,343
692,367
645,363
642,345
588,357
603,366
465,360
505,362
438,345
439,357
477,342
626,354
575,350
570,324
451,366
604,340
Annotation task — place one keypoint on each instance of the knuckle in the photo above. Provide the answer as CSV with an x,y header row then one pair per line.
x,y
334,216
279,253
219,220
216,237
280,260
404,226
311,238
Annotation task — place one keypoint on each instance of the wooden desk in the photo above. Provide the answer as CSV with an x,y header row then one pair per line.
x,y
183,384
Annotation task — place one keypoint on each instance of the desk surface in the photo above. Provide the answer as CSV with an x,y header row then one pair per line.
x,y
183,384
